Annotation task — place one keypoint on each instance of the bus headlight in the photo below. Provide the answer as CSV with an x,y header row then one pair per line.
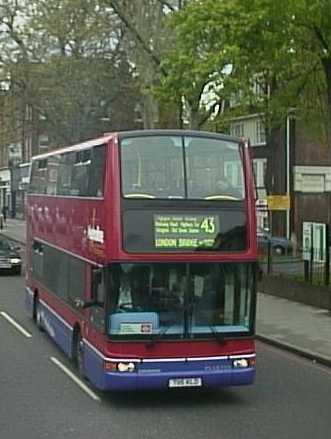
x,y
126,367
241,363
112,366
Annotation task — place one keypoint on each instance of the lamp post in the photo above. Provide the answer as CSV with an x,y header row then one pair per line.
x,y
288,173
289,118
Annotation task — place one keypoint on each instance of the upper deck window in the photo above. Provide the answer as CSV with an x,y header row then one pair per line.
x,y
181,167
77,173
38,183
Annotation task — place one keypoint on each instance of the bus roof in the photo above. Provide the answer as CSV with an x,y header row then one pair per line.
x,y
138,133
78,146
176,132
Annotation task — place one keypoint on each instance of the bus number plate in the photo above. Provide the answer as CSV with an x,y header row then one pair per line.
x,y
185,382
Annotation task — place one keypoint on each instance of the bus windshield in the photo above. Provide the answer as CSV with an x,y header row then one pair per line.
x,y
181,167
180,300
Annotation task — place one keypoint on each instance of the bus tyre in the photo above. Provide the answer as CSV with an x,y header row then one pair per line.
x,y
79,354
38,316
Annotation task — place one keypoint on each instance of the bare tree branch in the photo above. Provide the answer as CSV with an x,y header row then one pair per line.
x,y
167,4
321,39
156,60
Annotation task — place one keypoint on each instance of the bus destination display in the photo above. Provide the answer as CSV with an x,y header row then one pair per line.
x,y
185,231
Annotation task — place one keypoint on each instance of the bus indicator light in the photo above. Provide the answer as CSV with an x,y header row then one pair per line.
x,y
110,366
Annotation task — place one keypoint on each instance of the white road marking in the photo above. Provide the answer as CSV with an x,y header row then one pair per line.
x,y
76,380
16,325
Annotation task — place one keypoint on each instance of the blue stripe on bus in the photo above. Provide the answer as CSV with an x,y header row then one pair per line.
x,y
156,374
29,301
57,329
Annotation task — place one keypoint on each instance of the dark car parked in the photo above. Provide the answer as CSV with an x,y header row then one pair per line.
x,y
279,245
10,259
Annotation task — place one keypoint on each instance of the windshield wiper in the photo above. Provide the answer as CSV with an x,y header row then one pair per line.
x,y
156,337
219,336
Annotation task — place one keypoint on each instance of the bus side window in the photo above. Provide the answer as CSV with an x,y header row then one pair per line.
x,y
96,171
38,183
52,169
38,260
97,312
98,290
80,172
33,178
76,285
64,174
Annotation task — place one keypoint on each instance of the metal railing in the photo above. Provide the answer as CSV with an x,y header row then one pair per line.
x,y
312,268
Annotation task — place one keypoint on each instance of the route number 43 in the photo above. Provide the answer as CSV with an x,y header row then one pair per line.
x,y
208,225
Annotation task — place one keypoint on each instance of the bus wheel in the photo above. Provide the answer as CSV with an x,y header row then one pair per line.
x,y
38,315
78,352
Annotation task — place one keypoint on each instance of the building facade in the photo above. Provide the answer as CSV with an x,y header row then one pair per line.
x,y
296,164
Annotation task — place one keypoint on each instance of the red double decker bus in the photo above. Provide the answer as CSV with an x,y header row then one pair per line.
x,y
141,258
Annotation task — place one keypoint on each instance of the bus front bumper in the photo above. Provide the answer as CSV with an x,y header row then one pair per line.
x,y
164,380
112,374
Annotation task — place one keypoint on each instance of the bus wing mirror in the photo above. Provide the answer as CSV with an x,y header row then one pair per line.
x,y
79,303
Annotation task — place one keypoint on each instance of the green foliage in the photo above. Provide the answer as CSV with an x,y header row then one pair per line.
x,y
279,45
196,65
75,61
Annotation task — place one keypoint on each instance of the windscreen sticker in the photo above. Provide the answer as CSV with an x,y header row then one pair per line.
x,y
136,328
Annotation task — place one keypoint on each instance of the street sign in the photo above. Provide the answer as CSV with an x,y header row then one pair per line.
x,y
306,240
314,241
278,202
319,231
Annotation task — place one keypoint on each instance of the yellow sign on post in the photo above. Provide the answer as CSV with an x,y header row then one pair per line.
x,y
278,202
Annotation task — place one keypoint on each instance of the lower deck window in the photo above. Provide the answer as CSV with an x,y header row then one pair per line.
x,y
182,300
59,272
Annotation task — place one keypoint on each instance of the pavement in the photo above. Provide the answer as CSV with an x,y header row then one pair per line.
x,y
15,230
302,329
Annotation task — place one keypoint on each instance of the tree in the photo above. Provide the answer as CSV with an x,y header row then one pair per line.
x,y
197,64
223,46
311,40
147,40
67,68
212,58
